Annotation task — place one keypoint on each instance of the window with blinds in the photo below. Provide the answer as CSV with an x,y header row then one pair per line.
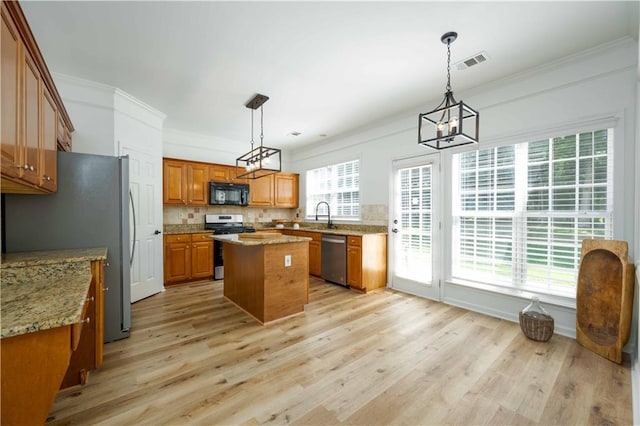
x,y
338,185
520,212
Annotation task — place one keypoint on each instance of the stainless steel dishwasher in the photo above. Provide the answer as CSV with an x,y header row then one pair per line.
x,y
334,259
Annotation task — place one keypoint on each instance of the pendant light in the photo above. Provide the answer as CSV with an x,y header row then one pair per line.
x,y
260,161
452,123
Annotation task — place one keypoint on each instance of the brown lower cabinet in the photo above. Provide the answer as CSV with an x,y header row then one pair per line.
x,y
36,365
367,261
88,355
187,257
366,258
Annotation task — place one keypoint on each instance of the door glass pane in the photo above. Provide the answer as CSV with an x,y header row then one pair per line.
x,y
413,252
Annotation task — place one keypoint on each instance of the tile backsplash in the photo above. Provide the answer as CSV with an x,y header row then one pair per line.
x,y
371,214
192,215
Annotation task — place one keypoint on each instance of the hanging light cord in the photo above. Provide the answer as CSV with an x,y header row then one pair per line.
x,y
251,130
261,126
448,66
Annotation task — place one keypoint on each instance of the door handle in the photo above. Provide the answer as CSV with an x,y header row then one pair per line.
x,y
157,232
133,211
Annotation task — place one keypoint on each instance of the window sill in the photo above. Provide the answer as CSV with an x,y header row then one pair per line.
x,y
564,301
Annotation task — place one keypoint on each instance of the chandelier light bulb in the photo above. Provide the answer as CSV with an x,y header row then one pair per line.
x,y
453,125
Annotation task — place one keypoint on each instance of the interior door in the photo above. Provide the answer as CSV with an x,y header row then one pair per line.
x,y
145,183
415,223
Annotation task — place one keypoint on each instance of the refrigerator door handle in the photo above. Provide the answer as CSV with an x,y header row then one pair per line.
x,y
133,211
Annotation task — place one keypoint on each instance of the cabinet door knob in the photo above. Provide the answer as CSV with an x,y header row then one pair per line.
x,y
87,320
31,168
91,299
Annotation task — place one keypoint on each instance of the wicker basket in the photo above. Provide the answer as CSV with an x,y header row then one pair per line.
x,y
536,326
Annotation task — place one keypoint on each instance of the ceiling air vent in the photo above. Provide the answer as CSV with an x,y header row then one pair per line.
x,y
476,59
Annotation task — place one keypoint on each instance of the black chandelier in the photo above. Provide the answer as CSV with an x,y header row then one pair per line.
x,y
452,123
260,161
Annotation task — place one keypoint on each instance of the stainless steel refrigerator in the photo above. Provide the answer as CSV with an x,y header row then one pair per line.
x,y
90,209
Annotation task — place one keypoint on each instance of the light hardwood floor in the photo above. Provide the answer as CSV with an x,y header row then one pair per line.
x,y
380,358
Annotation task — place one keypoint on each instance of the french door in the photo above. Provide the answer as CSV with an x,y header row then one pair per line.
x,y
415,227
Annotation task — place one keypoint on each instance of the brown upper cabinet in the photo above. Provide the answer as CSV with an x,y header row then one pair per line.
x,y
198,184
33,115
285,190
185,182
224,173
261,191
276,190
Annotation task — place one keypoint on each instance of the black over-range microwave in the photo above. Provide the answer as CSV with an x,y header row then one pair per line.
x,y
225,193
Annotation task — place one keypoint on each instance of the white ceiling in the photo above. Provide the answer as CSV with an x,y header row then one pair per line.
x,y
328,67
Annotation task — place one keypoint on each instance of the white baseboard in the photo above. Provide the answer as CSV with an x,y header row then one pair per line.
x,y
506,306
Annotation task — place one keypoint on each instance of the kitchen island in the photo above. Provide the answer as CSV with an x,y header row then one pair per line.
x,y
266,275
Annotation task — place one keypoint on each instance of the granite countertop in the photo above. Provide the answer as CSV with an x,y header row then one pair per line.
x,y
188,231
51,257
365,229
279,239
42,304
351,232
44,289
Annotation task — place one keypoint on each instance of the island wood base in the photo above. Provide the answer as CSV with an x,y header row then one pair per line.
x,y
257,281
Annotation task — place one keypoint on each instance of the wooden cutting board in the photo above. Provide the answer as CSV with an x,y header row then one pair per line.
x,y
260,235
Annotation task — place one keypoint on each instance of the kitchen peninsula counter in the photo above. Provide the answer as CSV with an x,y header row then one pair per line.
x,y
259,238
267,276
44,289
51,337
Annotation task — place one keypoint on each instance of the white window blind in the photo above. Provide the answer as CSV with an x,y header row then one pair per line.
x,y
338,185
520,212
414,251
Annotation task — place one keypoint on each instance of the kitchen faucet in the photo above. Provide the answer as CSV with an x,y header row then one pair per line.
x,y
329,224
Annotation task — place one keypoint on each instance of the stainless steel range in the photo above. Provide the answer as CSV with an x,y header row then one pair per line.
x,y
223,224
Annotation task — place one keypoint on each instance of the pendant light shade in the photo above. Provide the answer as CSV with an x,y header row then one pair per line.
x,y
452,123
259,161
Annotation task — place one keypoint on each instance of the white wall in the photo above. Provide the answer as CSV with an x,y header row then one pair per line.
x,y
596,86
90,106
137,124
102,115
210,149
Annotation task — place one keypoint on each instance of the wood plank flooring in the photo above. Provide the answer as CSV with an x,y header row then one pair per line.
x,y
375,359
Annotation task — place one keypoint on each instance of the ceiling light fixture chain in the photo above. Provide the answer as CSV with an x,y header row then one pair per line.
x,y
448,66
251,130
448,124
261,125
